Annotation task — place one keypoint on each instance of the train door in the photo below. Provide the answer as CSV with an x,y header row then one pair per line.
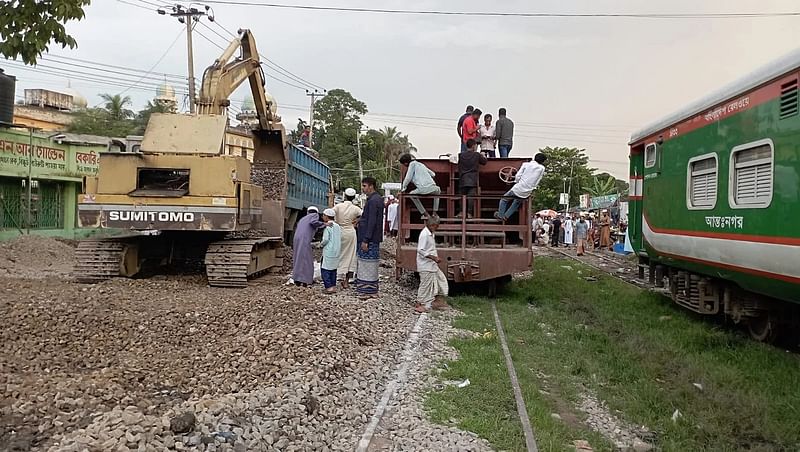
x,y
640,157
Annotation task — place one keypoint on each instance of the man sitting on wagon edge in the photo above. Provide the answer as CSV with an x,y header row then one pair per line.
x,y
422,178
526,180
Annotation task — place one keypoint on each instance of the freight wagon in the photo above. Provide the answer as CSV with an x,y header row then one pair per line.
x,y
715,191
477,249
302,181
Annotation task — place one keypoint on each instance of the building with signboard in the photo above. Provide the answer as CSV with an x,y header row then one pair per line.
x,y
56,169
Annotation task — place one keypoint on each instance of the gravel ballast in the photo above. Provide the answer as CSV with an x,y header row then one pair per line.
x,y
168,363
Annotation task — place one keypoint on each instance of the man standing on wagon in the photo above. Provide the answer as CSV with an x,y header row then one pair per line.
x,y
370,236
504,132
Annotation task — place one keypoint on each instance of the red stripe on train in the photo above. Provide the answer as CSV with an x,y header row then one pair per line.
x,y
791,241
729,107
786,278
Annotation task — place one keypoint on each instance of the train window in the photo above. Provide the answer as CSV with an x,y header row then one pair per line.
x,y
701,186
751,175
650,155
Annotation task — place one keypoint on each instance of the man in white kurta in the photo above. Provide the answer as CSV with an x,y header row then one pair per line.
x,y
568,229
346,214
432,281
392,217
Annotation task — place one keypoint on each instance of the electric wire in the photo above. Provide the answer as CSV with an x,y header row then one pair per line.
x,y
274,64
510,14
137,5
69,60
265,72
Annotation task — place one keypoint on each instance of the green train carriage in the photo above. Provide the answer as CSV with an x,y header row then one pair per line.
x,y
715,200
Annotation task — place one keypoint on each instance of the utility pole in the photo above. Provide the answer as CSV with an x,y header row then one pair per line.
x,y
358,146
569,192
189,16
313,94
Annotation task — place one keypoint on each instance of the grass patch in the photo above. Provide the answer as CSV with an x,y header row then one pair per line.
x,y
634,350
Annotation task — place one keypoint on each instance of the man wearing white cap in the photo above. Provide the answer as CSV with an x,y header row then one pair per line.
x,y
346,216
303,255
331,245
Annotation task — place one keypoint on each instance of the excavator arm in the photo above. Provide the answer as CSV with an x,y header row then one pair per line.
x,y
222,78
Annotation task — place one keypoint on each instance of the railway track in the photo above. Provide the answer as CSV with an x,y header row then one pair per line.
x,y
621,269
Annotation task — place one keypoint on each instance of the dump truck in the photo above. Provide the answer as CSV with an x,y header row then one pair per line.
x,y
183,204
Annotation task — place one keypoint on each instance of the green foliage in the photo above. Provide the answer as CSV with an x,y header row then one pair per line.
x,y
601,186
618,186
636,351
560,164
336,134
98,121
114,119
116,106
27,27
144,115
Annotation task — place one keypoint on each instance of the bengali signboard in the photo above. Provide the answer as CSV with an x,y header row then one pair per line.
x,y
602,202
46,158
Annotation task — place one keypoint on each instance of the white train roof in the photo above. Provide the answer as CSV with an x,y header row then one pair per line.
x,y
754,79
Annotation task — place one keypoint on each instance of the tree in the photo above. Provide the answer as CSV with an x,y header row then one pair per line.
x,y
115,106
337,125
97,121
395,144
601,186
564,166
143,117
27,27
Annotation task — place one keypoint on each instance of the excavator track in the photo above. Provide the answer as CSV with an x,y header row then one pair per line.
x,y
99,260
231,262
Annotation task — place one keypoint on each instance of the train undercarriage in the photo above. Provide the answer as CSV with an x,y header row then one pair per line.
x,y
766,319
229,260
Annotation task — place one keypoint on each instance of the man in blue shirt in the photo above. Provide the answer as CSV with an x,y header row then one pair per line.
x,y
370,236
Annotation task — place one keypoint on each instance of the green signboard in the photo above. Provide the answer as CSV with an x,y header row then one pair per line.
x,y
45,158
602,202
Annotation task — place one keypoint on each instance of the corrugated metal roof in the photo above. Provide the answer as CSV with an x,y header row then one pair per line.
x,y
754,79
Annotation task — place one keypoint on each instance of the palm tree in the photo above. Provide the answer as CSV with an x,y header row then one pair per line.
x,y
115,106
395,144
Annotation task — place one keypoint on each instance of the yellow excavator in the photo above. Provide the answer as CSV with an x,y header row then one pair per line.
x,y
181,201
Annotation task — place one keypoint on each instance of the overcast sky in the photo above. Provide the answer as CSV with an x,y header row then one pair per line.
x,y
584,82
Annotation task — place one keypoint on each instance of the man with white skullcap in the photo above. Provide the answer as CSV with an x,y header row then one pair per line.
x,y
331,245
303,255
347,215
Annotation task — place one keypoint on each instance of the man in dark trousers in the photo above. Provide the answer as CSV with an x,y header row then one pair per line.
x,y
504,132
469,163
468,113
370,236
554,235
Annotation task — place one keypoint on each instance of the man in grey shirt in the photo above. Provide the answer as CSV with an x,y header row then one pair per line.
x,y
582,233
504,131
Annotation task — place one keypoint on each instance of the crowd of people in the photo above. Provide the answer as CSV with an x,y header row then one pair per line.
x,y
351,241
352,235
490,137
580,230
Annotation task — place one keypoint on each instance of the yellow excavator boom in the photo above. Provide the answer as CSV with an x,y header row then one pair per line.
x,y
222,78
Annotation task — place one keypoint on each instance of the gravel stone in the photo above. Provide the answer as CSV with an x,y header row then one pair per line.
x,y
115,365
